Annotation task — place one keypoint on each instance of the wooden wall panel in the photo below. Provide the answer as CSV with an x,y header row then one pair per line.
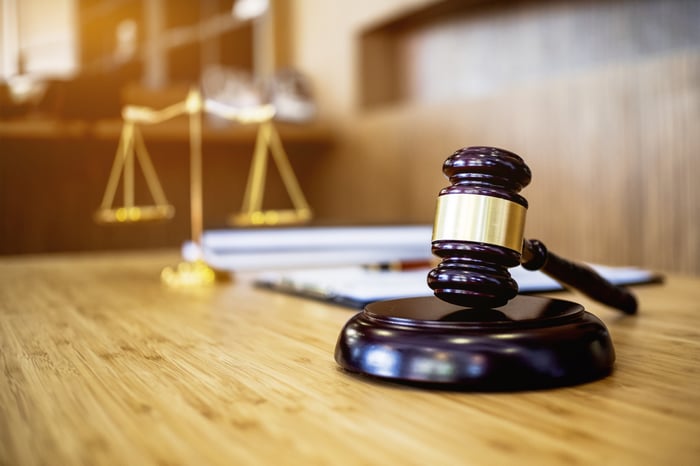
x,y
611,154
50,188
613,147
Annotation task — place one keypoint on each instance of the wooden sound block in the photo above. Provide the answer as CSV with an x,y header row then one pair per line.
x,y
529,343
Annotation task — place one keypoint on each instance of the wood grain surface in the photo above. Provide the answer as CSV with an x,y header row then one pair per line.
x,y
101,364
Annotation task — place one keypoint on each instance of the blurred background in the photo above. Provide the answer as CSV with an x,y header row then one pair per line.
x,y
601,98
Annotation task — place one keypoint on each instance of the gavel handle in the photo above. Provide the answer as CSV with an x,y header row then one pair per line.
x,y
536,257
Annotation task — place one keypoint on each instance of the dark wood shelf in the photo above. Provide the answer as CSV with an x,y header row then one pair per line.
x,y
175,130
53,175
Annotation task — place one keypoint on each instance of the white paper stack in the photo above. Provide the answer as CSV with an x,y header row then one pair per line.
x,y
274,248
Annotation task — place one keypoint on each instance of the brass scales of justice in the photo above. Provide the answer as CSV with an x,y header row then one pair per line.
x,y
132,148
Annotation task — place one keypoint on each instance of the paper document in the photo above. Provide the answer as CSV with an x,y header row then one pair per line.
x,y
330,263
280,248
358,286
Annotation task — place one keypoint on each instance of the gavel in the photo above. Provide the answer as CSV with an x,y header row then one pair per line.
x,y
476,332
478,235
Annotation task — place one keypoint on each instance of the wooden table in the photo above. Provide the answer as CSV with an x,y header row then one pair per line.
x,y
101,364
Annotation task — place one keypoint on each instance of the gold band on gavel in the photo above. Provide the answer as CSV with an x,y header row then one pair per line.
x,y
481,219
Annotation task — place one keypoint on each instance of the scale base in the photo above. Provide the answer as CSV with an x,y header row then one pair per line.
x,y
530,343
188,274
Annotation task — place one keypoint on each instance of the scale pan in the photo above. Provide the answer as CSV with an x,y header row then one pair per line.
x,y
133,214
271,218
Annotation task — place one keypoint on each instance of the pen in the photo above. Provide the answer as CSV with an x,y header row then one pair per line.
x,y
395,266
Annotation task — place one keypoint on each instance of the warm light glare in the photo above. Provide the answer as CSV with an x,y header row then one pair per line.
x,y
40,34
249,9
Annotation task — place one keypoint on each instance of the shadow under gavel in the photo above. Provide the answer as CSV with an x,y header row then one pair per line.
x,y
478,235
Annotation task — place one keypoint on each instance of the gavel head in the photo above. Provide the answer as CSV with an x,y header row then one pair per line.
x,y
478,231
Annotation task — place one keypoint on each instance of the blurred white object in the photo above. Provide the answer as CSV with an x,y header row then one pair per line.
x,y
290,93
230,88
127,41
26,89
249,9
272,248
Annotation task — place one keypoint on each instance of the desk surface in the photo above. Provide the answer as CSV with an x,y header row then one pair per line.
x,y
104,365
